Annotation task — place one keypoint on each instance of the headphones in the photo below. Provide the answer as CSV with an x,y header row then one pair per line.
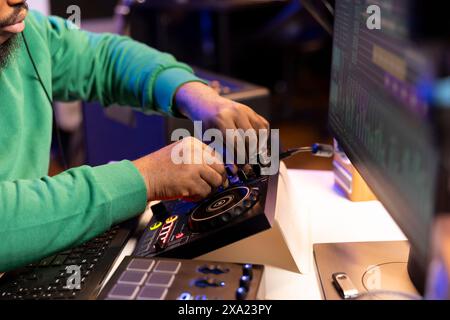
x,y
58,131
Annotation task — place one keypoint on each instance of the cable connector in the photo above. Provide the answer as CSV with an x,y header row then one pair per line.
x,y
317,149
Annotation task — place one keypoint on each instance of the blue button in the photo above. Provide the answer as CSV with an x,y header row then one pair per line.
x,y
241,293
201,297
185,296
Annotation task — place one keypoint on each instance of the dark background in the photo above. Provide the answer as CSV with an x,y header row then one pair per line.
x,y
276,44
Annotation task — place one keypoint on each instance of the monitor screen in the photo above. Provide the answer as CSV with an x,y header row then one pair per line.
x,y
379,115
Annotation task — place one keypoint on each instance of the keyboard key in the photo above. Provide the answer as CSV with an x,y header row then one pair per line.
x,y
152,293
133,277
46,262
45,296
69,294
31,276
36,290
123,291
86,273
59,260
160,279
59,296
52,289
168,266
94,254
23,290
72,262
141,265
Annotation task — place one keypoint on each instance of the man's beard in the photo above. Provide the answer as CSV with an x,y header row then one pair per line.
x,y
7,50
9,46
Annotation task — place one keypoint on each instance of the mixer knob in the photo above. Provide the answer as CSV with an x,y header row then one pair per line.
x,y
236,211
208,282
214,269
247,270
254,195
226,217
241,293
247,203
160,211
244,282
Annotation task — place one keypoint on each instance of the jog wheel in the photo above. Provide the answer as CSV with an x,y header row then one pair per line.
x,y
222,208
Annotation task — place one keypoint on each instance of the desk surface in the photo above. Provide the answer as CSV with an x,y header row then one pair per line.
x,y
332,218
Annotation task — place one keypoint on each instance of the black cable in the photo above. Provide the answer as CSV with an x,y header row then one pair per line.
x,y
323,13
328,6
58,132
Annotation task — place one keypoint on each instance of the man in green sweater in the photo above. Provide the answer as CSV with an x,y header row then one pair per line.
x,y
41,215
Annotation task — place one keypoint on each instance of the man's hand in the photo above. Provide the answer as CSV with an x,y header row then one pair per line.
x,y
199,102
166,180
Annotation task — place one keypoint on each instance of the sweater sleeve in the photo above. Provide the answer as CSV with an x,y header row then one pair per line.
x,y
41,217
112,69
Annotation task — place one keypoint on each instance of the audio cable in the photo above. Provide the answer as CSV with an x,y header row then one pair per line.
x,y
317,149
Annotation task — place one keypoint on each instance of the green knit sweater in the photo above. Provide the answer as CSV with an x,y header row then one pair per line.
x,y
39,215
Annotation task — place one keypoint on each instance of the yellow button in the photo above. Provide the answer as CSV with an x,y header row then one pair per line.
x,y
171,219
156,225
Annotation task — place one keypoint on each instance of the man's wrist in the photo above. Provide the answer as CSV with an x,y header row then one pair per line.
x,y
142,167
192,97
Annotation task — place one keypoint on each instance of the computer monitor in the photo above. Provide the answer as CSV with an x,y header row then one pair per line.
x,y
381,117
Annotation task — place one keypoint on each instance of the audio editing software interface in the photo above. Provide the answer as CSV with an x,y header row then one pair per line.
x,y
377,91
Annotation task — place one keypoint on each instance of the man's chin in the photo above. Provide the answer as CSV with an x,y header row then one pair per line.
x,y
7,50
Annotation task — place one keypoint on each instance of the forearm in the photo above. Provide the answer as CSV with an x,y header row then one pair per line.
x,y
112,69
44,216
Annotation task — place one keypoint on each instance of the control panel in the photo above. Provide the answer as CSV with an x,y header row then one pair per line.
x,y
140,278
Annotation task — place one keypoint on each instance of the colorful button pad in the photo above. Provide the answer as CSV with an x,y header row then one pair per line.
x,y
152,293
168,266
140,278
160,279
133,277
138,272
141,265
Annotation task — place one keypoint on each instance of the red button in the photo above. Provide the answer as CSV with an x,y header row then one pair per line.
x,y
179,235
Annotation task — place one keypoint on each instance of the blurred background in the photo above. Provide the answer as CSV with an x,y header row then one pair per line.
x,y
272,52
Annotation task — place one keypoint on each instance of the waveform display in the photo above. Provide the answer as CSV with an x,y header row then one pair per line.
x,y
377,112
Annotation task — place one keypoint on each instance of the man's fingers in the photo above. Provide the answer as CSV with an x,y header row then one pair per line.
x,y
214,160
243,123
212,177
258,122
202,188
233,168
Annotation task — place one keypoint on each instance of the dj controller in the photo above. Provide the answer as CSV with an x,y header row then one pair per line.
x,y
159,269
186,230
